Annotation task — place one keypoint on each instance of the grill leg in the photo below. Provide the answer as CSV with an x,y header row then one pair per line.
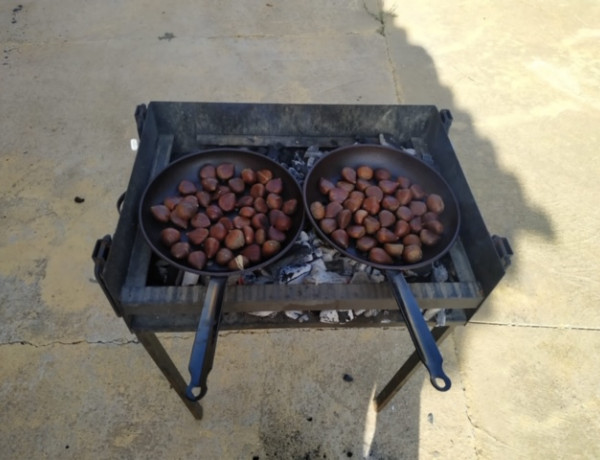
x,y
407,369
165,364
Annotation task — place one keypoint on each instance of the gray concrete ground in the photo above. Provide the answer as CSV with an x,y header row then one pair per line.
x,y
521,79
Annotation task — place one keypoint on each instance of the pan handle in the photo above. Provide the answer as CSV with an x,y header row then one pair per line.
x,y
203,350
420,334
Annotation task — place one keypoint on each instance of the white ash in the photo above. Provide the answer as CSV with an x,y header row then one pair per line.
x,y
329,316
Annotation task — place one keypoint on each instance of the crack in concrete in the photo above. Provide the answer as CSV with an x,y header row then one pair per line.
x,y
75,342
538,326
380,18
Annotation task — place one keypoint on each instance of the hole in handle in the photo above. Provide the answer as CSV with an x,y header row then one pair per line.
x,y
441,383
194,393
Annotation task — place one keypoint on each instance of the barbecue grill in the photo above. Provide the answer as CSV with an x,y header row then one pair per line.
x,y
153,297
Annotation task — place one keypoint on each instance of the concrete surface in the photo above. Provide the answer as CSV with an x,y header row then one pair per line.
x,y
521,79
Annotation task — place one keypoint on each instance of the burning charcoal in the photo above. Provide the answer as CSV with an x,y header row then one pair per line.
x,y
294,274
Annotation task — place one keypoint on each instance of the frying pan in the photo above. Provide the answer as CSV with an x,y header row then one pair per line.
x,y
398,163
165,185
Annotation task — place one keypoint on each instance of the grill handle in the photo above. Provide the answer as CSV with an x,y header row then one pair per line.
x,y
203,350
420,334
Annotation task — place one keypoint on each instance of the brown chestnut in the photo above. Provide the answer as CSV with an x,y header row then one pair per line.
x,y
236,184
371,204
359,216
170,236
435,226
225,171
197,259
412,253
418,208
404,196
415,224
382,174
252,252
260,235
355,231
160,212
340,237
417,191
403,182
214,212
183,223
274,201
411,239
379,256
343,218
246,200
264,175
374,191
362,184
198,235
333,209
325,186
172,201
241,221
274,185
388,186
394,249
227,202
235,239
390,203
223,256
387,218
248,234
180,250
270,248
364,172
435,203
185,210
207,171
260,220
248,176
209,184
218,231
401,229
317,210
404,213
247,211
428,237
275,234
366,243
338,194
186,187
328,225
289,206
385,235
257,190
261,205
204,198
371,224
211,246
345,185
349,174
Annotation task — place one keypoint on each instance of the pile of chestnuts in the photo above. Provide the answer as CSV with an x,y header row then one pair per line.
x,y
234,220
387,219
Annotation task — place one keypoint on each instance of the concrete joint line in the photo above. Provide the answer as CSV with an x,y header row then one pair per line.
x,y
77,342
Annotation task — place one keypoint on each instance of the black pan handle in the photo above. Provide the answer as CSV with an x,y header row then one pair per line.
x,y
203,350
419,331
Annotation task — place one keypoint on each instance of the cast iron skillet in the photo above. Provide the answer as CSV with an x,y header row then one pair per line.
x,y
399,164
165,185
